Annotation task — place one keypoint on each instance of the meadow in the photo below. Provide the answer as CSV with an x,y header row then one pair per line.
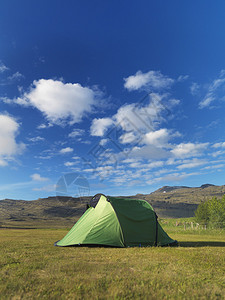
x,y
32,268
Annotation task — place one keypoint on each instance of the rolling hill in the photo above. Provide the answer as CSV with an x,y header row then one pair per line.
x,y
184,194
168,201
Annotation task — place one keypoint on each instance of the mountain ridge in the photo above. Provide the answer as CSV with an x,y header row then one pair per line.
x,y
168,201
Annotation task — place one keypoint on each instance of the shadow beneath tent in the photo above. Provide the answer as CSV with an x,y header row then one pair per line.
x,y
202,244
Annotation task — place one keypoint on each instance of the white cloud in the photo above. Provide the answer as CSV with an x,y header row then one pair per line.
x,y
194,88
173,177
15,76
10,79
37,177
155,164
142,168
66,150
148,152
69,163
76,132
215,91
218,153
214,167
103,142
119,181
188,164
3,163
182,78
36,139
129,160
3,67
174,102
207,100
99,126
76,157
138,118
162,171
128,137
157,138
60,101
135,165
137,123
151,80
188,149
9,147
102,172
219,145
43,126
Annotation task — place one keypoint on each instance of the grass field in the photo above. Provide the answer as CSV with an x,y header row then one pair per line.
x,y
32,268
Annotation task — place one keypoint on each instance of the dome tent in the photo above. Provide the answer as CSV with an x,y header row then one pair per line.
x,y
117,222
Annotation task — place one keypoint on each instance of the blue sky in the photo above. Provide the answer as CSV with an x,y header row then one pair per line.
x,y
127,95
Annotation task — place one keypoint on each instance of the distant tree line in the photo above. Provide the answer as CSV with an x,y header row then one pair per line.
x,y
211,212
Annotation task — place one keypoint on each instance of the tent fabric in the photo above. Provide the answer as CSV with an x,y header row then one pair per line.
x,y
137,220
117,222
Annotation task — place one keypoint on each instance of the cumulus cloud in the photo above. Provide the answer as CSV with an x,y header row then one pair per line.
x,y
60,101
37,177
100,126
135,117
128,137
154,80
9,129
66,150
153,145
136,122
144,116
157,138
103,142
189,149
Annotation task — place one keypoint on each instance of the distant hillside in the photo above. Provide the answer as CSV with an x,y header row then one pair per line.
x,y
52,211
168,201
166,188
184,194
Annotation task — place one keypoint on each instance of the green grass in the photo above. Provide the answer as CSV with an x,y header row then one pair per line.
x,y
32,268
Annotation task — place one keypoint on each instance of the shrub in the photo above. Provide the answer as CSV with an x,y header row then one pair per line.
x,y
212,212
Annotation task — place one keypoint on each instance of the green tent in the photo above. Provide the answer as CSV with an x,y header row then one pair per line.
x,y
117,222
